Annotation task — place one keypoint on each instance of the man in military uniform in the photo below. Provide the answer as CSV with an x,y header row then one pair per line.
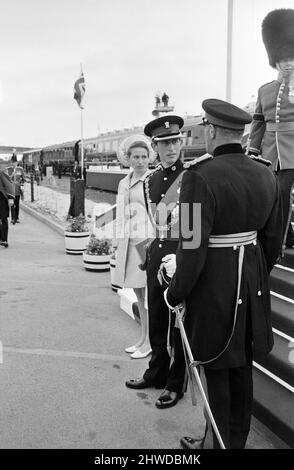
x,y
225,280
6,201
162,186
16,174
272,130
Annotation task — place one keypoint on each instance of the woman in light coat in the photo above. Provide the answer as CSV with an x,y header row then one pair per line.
x,y
132,226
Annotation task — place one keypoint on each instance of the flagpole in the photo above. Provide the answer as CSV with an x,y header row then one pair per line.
x,y
229,50
82,138
82,145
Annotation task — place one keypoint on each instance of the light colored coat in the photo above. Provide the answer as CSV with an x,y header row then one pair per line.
x,y
272,128
123,232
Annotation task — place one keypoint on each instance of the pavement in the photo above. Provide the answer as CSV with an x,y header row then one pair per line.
x,y
64,366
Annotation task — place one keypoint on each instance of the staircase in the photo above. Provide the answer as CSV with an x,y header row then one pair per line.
x,y
274,378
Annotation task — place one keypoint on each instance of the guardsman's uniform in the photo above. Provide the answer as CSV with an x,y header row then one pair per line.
x,y
272,129
224,281
163,186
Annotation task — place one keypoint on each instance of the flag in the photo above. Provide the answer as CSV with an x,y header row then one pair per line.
x,y
79,89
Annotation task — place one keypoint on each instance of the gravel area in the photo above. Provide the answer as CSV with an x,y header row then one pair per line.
x,y
52,199
95,195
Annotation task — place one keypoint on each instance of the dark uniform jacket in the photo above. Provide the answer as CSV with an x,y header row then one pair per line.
x,y
6,192
155,187
237,194
272,128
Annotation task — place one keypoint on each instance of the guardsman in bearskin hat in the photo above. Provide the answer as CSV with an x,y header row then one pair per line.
x,y
272,130
223,278
161,189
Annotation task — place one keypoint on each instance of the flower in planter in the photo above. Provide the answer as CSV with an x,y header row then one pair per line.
x,y
98,246
77,224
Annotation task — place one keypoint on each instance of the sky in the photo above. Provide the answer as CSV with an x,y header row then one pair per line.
x,y
129,49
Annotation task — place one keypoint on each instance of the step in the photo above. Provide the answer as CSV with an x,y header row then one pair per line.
x,y
282,282
282,315
280,361
288,258
273,406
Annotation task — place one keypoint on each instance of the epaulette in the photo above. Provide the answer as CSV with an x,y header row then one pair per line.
x,y
260,160
157,168
197,160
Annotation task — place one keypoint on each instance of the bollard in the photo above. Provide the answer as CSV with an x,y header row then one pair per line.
x,y
32,187
79,201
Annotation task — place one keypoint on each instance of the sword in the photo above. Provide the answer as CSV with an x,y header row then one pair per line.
x,y
192,366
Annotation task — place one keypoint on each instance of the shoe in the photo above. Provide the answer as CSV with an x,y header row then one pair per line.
x,y
290,244
5,244
139,355
131,349
13,222
191,443
168,399
290,240
138,383
17,221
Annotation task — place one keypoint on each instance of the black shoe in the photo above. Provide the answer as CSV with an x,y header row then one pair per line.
x,y
5,244
13,222
138,383
168,399
191,443
290,239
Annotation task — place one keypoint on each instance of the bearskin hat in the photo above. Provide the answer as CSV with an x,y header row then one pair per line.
x,y
278,35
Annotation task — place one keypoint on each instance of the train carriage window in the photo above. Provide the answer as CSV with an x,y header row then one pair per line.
x,y
189,138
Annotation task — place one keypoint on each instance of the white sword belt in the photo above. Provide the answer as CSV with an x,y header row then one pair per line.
x,y
233,240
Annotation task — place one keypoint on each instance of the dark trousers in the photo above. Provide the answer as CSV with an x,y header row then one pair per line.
x,y
286,180
15,209
163,371
3,229
230,395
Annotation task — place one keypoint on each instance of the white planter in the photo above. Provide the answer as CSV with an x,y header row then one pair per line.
x,y
114,287
75,242
96,263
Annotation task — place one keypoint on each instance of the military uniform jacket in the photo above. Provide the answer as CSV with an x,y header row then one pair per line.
x,y
237,195
272,128
155,187
6,192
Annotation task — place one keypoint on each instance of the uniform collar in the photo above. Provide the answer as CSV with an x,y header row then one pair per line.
x,y
178,165
227,148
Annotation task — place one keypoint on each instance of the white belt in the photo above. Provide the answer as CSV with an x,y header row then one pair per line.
x,y
232,240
